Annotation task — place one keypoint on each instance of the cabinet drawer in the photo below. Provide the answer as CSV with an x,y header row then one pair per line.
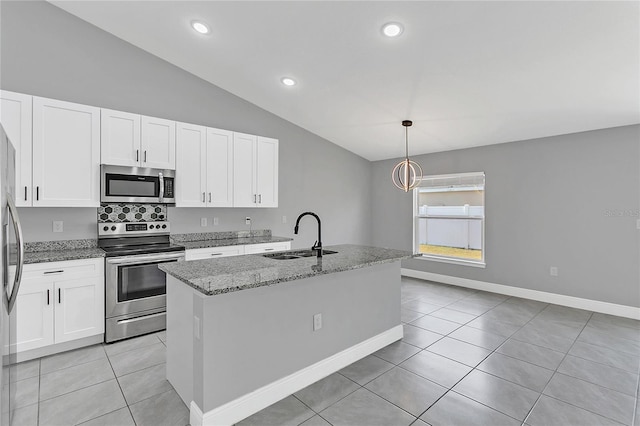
x,y
66,269
262,248
214,252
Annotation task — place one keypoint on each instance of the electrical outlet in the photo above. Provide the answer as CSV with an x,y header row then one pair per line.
x,y
284,219
196,327
216,221
317,322
553,271
203,221
247,220
58,226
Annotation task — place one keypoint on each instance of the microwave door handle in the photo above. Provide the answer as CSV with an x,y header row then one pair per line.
x,y
13,211
161,178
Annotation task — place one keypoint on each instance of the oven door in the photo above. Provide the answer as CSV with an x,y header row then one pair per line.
x,y
135,284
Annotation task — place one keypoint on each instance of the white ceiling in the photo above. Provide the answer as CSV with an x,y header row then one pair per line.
x,y
467,73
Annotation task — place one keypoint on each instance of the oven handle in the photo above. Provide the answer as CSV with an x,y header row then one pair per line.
x,y
139,259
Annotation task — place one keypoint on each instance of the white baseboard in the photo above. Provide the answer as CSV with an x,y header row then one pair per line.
x,y
255,401
542,296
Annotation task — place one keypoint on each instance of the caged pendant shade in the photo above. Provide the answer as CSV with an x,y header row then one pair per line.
x,y
407,174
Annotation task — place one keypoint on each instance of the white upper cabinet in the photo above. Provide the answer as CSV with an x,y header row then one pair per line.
x,y
219,168
137,141
158,147
204,166
191,165
15,110
66,154
255,171
267,172
120,142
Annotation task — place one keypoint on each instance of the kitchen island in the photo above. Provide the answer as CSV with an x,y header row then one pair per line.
x,y
240,330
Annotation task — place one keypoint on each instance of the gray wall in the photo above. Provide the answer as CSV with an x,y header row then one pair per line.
x,y
569,201
48,52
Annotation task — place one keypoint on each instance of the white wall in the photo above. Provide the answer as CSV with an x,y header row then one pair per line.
x,y
48,52
568,201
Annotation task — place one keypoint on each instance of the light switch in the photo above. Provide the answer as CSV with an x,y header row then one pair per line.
x,y
203,221
216,221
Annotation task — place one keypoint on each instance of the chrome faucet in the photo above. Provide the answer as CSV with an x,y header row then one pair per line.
x,y
318,244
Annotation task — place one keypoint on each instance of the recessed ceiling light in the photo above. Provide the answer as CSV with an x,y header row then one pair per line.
x,y
392,29
288,81
200,27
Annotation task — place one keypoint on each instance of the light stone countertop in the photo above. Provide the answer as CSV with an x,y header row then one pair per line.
x,y
232,242
57,251
224,275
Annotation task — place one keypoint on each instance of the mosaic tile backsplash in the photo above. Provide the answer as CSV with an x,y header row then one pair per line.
x,y
132,213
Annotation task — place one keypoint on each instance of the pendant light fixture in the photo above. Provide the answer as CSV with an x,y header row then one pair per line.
x,y
406,174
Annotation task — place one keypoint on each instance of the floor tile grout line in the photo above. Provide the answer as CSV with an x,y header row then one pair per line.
x,y
475,367
120,387
555,371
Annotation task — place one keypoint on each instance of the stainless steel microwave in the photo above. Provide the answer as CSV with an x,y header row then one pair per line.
x,y
120,184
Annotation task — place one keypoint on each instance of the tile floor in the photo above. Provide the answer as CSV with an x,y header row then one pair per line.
x,y
120,384
467,357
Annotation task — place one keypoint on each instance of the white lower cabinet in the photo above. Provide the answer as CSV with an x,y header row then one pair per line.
x,y
59,302
213,252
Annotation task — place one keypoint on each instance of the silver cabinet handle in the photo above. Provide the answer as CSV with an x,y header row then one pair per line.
x,y
260,199
161,179
137,155
269,249
11,299
203,199
59,295
254,198
48,294
25,193
209,197
54,272
145,155
37,193
216,254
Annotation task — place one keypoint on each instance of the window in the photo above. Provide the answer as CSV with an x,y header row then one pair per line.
x,y
449,218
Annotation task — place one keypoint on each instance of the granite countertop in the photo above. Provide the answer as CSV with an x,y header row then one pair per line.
x,y
232,241
224,275
56,251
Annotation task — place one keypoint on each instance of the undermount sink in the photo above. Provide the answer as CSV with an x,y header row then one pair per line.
x,y
297,254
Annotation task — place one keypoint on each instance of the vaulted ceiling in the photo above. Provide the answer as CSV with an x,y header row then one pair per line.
x,y
467,73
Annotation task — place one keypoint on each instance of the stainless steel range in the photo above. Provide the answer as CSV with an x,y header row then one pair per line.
x,y
135,299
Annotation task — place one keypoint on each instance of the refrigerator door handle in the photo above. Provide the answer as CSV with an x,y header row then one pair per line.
x,y
13,211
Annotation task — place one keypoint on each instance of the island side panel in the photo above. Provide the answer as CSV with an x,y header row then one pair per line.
x,y
254,337
180,337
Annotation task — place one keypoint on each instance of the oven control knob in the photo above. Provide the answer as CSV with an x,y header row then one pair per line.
x,y
151,227
164,226
106,228
113,228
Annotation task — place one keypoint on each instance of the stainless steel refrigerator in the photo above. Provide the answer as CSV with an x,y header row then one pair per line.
x,y
11,271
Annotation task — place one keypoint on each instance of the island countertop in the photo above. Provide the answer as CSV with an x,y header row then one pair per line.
x,y
224,275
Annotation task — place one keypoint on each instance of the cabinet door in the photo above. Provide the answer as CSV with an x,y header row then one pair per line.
x,y
79,308
66,154
15,116
244,162
120,138
33,315
219,168
158,143
267,172
191,165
